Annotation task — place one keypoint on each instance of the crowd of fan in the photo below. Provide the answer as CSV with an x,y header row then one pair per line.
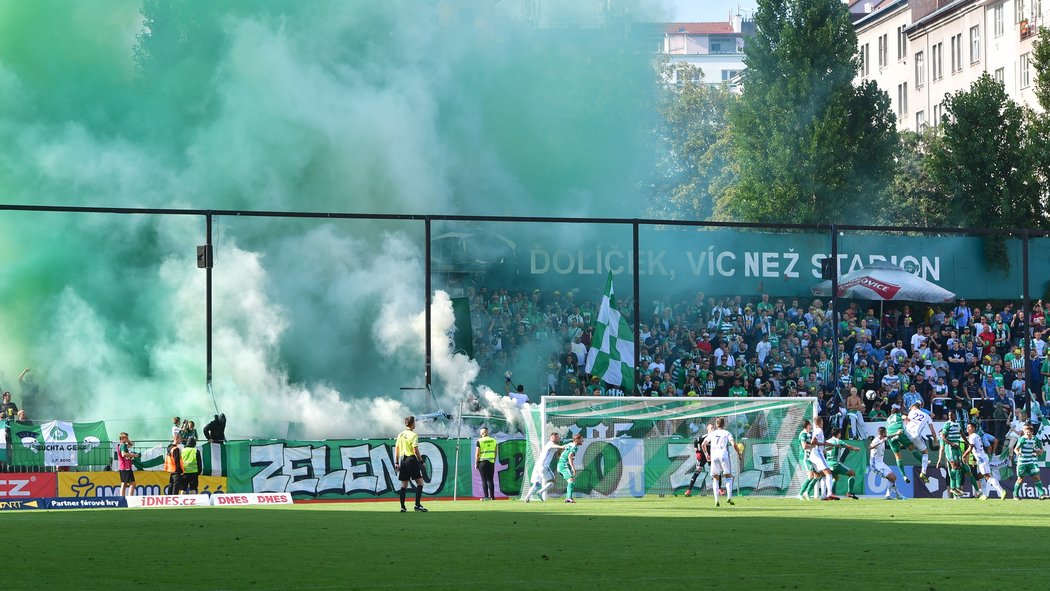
x,y
953,358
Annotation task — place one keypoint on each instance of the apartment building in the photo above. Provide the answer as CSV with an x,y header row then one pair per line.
x,y
919,51
717,48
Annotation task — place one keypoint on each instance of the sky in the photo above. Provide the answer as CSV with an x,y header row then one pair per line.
x,y
709,10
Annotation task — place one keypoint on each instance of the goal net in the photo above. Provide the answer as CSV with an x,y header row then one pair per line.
x,y
637,446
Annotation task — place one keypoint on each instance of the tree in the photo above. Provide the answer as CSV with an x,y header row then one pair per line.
x,y
808,145
1039,123
917,200
692,157
986,164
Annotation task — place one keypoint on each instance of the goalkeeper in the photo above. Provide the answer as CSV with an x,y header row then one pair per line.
x,y
701,461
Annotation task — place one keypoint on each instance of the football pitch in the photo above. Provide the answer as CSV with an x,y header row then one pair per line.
x,y
651,543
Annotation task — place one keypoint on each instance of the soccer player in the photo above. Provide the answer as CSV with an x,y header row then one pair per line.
x,y
1025,449
976,450
877,451
918,423
409,462
835,461
819,462
701,460
717,445
951,444
567,467
542,476
896,438
812,478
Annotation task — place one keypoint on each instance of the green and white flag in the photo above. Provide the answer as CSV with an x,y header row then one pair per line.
x,y
57,443
611,356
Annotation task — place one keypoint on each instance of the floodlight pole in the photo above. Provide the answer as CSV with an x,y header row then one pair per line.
x,y
207,298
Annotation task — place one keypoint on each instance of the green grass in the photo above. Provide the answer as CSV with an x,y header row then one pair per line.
x,y
653,543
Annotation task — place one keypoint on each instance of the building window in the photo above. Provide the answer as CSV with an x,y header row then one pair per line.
x,y
902,43
920,120
956,53
937,115
902,99
722,45
1026,75
975,44
1000,75
1019,12
998,19
729,74
937,61
884,50
920,70
865,60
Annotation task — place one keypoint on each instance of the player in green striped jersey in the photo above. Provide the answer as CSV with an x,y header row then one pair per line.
x,y
567,467
1025,449
896,438
951,449
805,445
835,459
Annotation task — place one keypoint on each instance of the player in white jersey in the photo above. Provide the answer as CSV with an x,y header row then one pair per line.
x,y
984,468
877,464
918,423
542,475
716,445
819,462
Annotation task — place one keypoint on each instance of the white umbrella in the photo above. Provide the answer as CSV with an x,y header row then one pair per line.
x,y
885,282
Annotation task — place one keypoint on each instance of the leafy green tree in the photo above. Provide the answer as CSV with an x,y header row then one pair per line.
x,y
1039,123
917,199
807,144
692,156
985,164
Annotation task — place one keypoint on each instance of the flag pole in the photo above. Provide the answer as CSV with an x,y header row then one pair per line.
x,y
636,311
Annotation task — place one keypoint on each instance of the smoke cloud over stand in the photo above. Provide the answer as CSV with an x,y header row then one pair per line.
x,y
436,107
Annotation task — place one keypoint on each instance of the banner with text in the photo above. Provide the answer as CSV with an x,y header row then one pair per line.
x,y
745,261
354,469
27,485
56,443
107,484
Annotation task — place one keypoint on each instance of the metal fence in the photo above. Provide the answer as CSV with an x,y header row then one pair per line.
x,y
660,265
31,458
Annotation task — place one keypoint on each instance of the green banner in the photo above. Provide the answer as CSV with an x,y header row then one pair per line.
x,y
342,469
58,443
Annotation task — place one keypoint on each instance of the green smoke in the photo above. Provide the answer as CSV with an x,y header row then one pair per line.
x,y
358,106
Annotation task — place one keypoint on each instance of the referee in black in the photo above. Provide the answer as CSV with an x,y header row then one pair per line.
x,y
409,462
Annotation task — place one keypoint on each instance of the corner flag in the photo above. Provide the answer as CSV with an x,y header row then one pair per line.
x,y
611,356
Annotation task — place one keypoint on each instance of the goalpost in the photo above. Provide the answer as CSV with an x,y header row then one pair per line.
x,y
635,446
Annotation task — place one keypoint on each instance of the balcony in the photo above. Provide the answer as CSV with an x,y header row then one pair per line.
x,y
1028,29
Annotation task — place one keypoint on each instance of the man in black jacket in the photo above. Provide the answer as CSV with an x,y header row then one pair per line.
x,y
215,431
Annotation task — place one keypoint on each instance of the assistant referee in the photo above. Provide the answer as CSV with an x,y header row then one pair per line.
x,y
409,462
